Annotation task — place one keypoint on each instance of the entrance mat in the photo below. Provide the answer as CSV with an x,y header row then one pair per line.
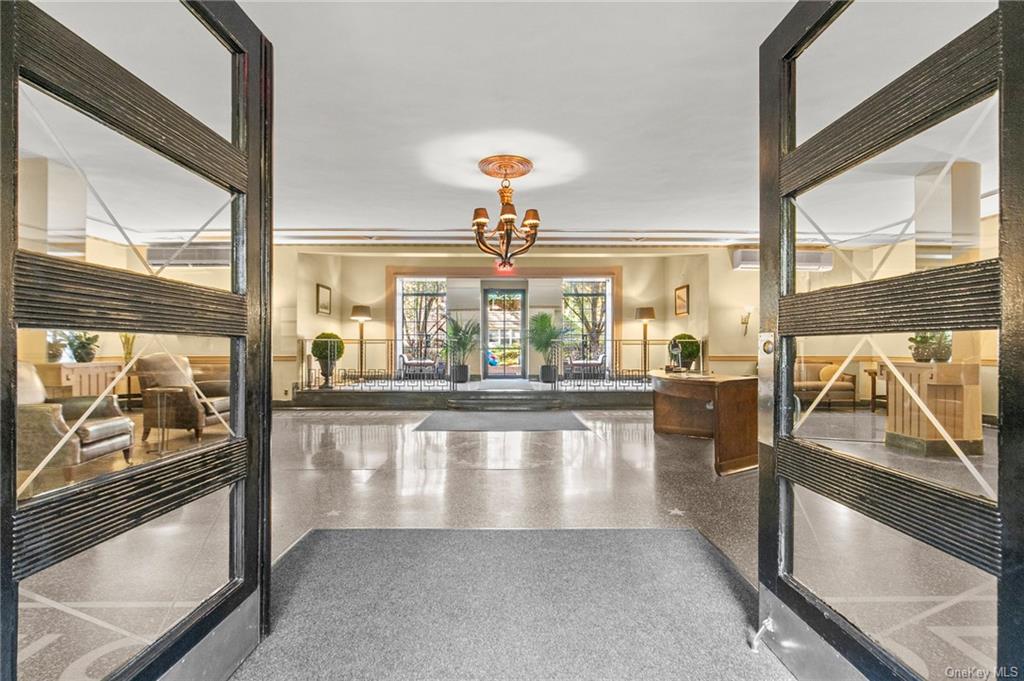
x,y
508,604
504,384
499,421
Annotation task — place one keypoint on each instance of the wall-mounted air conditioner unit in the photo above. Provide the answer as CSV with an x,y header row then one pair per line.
x,y
196,254
806,261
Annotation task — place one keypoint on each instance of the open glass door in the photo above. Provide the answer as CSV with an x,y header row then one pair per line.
x,y
892,408
135,398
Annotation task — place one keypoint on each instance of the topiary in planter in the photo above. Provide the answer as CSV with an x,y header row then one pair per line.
x,y
327,348
684,348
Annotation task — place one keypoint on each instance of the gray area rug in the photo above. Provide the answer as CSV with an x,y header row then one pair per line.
x,y
498,421
508,604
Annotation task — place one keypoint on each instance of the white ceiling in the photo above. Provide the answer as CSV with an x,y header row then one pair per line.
x,y
641,118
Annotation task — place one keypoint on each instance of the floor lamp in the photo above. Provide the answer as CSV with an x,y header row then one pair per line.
x,y
361,314
645,314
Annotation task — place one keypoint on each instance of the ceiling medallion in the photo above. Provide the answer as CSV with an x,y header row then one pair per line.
x,y
501,241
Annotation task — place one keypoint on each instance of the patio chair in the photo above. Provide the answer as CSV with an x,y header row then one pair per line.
x,y
586,368
416,368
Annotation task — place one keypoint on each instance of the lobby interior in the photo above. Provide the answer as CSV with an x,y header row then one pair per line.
x,y
605,385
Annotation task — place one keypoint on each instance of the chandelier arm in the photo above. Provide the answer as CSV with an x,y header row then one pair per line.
x,y
482,244
531,239
506,244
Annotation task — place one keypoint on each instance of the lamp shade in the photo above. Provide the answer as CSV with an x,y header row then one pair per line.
x,y
480,216
361,313
645,314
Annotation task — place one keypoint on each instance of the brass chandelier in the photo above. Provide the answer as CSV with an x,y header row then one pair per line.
x,y
504,240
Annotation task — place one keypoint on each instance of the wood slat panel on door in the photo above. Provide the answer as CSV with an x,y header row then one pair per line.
x,y
960,74
57,60
59,293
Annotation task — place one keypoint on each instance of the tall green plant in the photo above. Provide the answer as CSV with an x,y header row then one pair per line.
x,y
545,335
463,338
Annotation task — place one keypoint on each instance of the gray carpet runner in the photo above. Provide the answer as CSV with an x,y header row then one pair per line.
x,y
508,604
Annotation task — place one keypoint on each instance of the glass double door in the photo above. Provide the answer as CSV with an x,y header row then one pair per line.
x,y
891,522
503,353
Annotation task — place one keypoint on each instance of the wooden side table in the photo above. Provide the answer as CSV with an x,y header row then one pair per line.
x,y
161,414
875,397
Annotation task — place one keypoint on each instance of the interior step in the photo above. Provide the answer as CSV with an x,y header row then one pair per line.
x,y
511,400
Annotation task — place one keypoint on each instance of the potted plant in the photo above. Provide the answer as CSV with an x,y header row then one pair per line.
x,y
463,338
55,346
921,346
544,338
685,349
942,348
82,344
327,349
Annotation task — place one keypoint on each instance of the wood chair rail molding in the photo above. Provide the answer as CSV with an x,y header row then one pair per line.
x,y
393,272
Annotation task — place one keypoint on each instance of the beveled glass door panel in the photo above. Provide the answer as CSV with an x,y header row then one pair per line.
x,y
923,403
929,202
940,615
90,194
89,615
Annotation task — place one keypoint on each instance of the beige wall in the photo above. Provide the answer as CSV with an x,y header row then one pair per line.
x,y
718,297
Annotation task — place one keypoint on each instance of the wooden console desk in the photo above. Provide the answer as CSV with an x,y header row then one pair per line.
x,y
952,393
716,406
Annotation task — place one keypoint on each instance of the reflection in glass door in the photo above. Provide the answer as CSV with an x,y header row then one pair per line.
x,y
503,326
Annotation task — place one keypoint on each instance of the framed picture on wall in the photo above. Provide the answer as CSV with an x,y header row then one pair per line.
x,y
323,299
683,300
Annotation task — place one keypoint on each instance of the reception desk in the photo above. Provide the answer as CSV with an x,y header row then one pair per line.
x,y
952,393
720,407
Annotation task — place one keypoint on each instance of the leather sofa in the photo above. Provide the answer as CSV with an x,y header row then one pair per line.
x,y
182,407
43,422
809,379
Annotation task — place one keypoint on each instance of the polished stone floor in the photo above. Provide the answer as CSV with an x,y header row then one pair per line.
x,y
84,617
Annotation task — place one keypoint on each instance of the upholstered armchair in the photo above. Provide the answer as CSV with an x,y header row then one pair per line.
x,y
810,378
181,408
42,423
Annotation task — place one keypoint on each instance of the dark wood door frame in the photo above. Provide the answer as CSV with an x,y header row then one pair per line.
x,y
36,48
980,531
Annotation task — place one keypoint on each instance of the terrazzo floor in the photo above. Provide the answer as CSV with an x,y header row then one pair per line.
x,y
83,618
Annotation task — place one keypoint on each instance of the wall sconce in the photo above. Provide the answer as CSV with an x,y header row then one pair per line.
x,y
745,318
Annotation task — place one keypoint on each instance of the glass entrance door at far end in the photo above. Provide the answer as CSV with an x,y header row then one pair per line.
x,y
503,333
